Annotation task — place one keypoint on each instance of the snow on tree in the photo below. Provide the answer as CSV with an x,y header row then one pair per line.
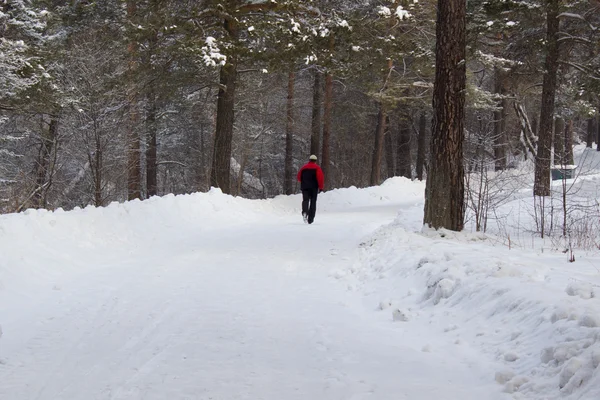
x,y
21,30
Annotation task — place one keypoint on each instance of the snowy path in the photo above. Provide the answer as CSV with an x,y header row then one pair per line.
x,y
245,310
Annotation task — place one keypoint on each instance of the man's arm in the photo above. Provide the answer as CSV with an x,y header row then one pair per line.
x,y
320,178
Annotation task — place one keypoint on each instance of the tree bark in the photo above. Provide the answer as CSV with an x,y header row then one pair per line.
x,y
98,170
569,143
47,147
541,185
327,107
590,133
151,145
389,149
134,190
444,191
500,142
151,110
380,130
421,145
598,129
221,163
315,136
378,147
289,137
403,162
559,141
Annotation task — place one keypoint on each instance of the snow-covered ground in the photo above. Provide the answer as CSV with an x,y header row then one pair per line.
x,y
207,296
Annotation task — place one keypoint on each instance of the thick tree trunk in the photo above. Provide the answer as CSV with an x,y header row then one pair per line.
x,y
421,145
444,191
315,136
221,164
134,190
559,141
151,145
327,108
289,137
378,147
589,141
403,162
389,149
541,186
500,142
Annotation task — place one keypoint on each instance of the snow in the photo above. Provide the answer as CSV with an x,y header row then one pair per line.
x,y
384,11
295,26
211,54
401,13
211,296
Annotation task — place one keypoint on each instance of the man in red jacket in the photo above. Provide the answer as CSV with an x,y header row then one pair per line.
x,y
311,181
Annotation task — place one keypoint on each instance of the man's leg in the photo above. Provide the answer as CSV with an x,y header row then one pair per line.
x,y
313,205
305,200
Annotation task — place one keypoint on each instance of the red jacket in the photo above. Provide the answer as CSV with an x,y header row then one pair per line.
x,y
311,176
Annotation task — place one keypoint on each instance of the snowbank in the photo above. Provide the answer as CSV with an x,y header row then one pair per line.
x,y
538,316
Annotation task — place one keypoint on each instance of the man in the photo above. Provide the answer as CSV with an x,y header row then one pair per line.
x,y
311,181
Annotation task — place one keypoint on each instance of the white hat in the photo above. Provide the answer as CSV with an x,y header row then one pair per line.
x,y
313,158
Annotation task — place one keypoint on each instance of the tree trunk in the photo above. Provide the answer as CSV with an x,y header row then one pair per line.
x,y
569,143
47,147
98,171
378,147
403,162
289,137
134,190
534,129
559,141
589,141
500,142
328,103
389,149
151,110
444,191
598,135
221,163
151,145
315,135
541,186
203,172
240,180
421,145
380,130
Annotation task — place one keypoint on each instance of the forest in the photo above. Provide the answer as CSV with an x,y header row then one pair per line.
x,y
115,100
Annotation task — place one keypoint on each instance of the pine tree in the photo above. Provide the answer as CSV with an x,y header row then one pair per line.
x,y
444,191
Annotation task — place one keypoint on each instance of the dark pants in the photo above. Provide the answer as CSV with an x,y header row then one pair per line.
x,y
309,203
